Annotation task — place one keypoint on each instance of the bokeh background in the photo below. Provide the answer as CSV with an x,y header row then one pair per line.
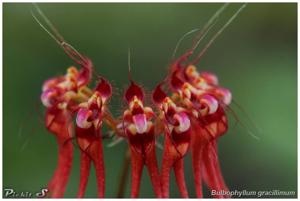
x,y
256,58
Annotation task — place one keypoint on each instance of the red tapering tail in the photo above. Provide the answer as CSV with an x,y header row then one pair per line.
x,y
85,165
180,179
196,161
153,171
167,163
99,167
196,149
172,159
137,165
212,171
58,183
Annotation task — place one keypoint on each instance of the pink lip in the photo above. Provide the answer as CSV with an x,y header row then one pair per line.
x,y
140,122
184,121
82,116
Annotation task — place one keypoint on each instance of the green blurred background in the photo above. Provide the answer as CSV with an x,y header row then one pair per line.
x,y
256,58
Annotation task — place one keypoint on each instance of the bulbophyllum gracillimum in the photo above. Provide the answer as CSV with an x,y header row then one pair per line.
x,y
188,112
177,128
88,135
208,122
139,129
59,96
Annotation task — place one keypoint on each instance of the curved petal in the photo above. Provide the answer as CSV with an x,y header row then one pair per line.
x,y
158,94
104,88
132,91
210,78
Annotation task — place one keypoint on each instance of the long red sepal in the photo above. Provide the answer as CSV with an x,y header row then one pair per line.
x,y
153,171
58,183
85,165
137,165
180,179
167,163
172,159
90,142
212,171
97,157
196,161
57,122
197,144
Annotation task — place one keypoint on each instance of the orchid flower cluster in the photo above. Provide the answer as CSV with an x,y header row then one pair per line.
x,y
188,110
191,118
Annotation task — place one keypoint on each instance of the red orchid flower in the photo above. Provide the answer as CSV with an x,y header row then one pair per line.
x,y
88,135
59,96
192,119
205,101
177,129
139,130
201,96
57,122
64,96
213,124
